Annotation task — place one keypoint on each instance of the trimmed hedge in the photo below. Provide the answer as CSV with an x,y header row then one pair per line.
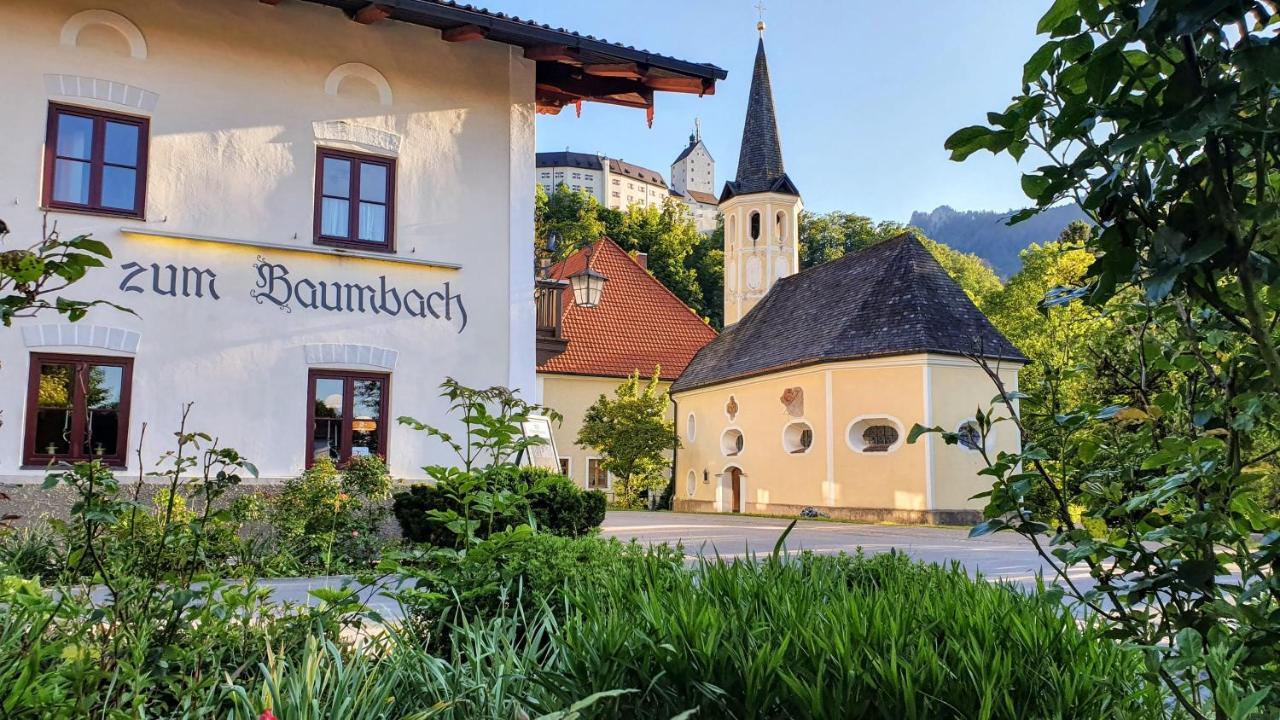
x,y
555,503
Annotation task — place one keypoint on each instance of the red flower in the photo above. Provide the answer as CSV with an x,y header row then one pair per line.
x,y
267,715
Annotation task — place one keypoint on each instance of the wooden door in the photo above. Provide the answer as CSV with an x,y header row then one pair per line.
x,y
735,486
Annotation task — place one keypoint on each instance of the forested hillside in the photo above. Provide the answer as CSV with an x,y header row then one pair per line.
x,y
985,234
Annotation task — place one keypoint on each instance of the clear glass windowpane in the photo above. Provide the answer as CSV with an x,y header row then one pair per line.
x,y
71,181
337,177
373,223
75,137
373,182
53,410
121,144
334,217
326,436
119,187
366,418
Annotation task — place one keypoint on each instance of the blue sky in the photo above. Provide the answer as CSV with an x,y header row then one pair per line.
x,y
866,92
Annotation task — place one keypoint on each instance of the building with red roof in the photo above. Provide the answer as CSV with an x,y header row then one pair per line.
x,y
638,326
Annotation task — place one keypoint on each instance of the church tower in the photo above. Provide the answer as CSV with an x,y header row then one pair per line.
x,y
761,206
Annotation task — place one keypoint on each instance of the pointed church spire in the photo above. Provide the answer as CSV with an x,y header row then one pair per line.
x,y
760,167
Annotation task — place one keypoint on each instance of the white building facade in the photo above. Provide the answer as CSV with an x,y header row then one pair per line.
x,y
311,232
613,183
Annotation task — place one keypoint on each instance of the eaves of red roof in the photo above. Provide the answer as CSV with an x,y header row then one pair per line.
x,y
639,324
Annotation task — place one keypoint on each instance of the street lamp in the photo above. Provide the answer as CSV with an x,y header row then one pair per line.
x,y
588,285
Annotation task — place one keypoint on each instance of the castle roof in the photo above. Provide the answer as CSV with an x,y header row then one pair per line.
x,y
889,299
760,167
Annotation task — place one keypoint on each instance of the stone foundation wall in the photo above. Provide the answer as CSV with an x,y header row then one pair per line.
x,y
868,515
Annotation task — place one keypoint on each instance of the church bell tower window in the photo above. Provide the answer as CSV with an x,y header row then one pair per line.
x,y
755,226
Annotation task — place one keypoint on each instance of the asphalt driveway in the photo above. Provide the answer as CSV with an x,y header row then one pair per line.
x,y
1003,556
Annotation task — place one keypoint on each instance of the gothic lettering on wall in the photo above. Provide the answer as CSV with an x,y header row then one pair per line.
x,y
276,285
170,280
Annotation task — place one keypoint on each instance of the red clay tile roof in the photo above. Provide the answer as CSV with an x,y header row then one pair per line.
x,y
638,325
704,197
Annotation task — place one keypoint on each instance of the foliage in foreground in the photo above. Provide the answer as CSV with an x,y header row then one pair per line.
x,y
840,637
1158,119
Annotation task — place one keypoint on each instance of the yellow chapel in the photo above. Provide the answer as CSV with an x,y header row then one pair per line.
x,y
806,399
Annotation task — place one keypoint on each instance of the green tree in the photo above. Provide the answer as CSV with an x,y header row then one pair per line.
x,y
970,272
668,235
707,261
828,236
1056,338
633,435
1158,119
571,216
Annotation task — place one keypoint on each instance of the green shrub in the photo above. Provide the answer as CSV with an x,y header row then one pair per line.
x,y
838,637
329,519
555,503
519,569
31,552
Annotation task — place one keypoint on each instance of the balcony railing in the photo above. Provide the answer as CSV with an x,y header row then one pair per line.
x,y
548,298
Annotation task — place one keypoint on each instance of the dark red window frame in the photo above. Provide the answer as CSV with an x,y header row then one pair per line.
x,y
348,378
31,454
351,238
97,161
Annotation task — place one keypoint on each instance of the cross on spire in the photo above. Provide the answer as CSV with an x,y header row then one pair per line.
x,y
760,8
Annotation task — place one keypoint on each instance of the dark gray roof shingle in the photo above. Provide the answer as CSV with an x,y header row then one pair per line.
x,y
760,166
889,299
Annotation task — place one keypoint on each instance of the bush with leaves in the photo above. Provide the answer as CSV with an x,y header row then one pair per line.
x,y
330,520
1158,119
553,502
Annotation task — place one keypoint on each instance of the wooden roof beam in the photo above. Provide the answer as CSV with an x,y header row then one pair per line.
x,y
371,13
551,53
680,84
629,71
464,33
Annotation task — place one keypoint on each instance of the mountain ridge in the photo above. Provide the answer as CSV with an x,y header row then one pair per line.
x,y
985,234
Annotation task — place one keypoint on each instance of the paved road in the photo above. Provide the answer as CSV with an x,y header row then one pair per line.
x,y
1003,556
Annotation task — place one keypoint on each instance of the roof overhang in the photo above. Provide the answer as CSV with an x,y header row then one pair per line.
x,y
571,68
678,387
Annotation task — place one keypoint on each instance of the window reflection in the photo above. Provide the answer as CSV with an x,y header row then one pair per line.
x,y
102,411
53,410
326,438
366,418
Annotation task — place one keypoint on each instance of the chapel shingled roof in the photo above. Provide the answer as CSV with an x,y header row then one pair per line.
x,y
892,298
760,167
639,324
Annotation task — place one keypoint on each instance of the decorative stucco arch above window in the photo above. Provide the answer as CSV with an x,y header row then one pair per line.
x,y
110,91
81,335
86,18
364,72
348,354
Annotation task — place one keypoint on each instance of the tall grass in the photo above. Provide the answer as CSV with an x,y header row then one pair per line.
x,y
823,637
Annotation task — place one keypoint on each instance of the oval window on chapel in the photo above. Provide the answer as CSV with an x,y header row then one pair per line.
x,y
879,438
874,435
